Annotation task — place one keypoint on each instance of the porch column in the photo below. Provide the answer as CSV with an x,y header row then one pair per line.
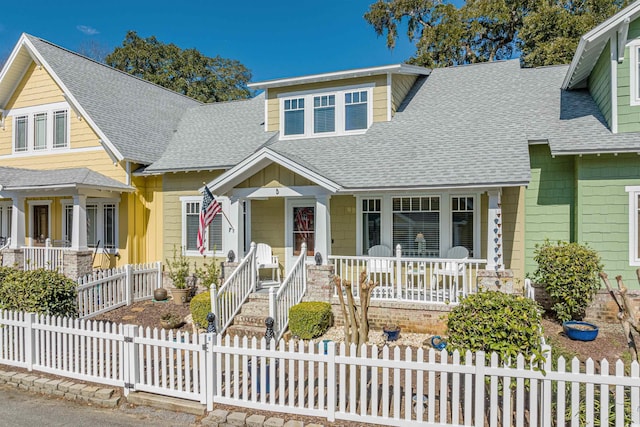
x,y
18,227
235,234
79,223
495,260
323,227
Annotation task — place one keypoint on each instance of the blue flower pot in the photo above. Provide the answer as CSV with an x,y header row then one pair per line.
x,y
391,335
580,331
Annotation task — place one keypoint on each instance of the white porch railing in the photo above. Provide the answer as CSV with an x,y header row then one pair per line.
x,y
437,280
105,290
47,257
289,294
228,300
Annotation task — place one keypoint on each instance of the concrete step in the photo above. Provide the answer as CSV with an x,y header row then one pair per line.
x,y
256,319
249,331
167,403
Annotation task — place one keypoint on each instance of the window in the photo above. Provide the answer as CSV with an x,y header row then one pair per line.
x,y
462,223
416,224
21,133
371,230
294,116
634,224
634,76
38,129
333,112
191,221
102,223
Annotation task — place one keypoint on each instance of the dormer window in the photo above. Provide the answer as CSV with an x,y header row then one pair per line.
x,y
327,112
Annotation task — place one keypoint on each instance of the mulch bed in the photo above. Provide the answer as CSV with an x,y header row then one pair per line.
x,y
147,314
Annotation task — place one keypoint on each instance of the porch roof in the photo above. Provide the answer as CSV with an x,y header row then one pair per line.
x,y
16,179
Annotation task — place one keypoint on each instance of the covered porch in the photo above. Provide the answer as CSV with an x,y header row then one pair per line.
x,y
58,219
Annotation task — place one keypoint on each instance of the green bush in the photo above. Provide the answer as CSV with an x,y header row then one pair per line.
x,y
38,291
569,273
309,320
492,321
200,306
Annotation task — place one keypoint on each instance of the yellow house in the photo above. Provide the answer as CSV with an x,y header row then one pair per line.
x,y
112,167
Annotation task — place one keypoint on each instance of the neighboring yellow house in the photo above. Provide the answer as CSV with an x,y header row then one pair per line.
x,y
107,164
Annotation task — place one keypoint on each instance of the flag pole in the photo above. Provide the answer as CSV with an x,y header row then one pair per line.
x,y
222,212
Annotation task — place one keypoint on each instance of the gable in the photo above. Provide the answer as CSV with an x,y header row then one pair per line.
x,y
36,88
274,176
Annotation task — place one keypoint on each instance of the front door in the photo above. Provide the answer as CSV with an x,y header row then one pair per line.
x,y
40,223
301,228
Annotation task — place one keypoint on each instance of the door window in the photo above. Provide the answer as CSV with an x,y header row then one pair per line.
x,y
304,226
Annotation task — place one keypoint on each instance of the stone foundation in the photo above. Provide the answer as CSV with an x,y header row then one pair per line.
x,y
77,264
319,283
603,309
502,281
13,258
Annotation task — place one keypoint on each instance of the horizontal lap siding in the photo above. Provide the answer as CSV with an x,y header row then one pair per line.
x,y
603,219
267,225
628,115
400,87
600,83
343,225
513,229
35,88
549,200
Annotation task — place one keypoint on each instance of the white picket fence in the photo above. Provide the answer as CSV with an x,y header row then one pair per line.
x,y
382,385
105,290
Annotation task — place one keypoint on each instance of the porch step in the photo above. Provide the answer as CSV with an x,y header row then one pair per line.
x,y
248,331
250,321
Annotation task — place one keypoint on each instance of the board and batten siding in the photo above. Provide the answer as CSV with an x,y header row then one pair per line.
x,y
600,83
273,176
379,96
628,115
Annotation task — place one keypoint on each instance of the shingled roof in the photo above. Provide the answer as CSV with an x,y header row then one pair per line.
x,y
26,179
135,118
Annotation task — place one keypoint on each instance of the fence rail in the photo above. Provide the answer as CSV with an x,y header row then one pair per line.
x,y
228,300
379,385
47,257
289,294
105,290
402,278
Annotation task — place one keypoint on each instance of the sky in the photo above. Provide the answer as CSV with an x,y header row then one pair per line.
x,y
275,39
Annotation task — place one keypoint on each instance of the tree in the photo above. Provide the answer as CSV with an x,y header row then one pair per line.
x,y
186,71
94,50
546,32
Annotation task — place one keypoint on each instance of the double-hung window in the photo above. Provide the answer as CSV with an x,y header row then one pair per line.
x,y
326,112
190,224
634,224
41,128
102,223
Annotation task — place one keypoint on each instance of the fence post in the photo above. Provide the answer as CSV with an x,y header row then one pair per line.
x,y
254,267
47,254
479,389
272,304
128,283
130,358
331,381
29,345
214,307
159,276
547,389
211,370
398,271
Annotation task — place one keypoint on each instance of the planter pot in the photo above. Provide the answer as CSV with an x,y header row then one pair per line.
x,y
391,334
180,296
580,331
160,294
267,376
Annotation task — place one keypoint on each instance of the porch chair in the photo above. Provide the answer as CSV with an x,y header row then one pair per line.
x,y
452,269
266,259
381,270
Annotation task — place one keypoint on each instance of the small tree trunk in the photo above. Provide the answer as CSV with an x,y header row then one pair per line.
x,y
626,313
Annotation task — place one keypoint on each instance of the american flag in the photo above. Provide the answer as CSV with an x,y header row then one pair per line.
x,y
209,209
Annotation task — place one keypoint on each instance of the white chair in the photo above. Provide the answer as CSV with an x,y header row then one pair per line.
x,y
266,259
452,269
381,271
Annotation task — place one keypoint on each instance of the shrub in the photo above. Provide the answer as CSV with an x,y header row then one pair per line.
x,y
200,306
309,320
208,274
38,291
492,321
569,273
178,269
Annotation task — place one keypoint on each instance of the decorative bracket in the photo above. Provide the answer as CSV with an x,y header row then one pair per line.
x,y
623,31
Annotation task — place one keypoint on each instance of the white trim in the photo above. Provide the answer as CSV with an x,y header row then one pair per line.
x,y
634,227
346,74
266,109
55,151
288,228
389,94
614,88
34,52
219,252
99,203
634,74
275,192
30,113
339,93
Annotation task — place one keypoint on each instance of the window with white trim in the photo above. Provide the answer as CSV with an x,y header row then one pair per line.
x,y
37,129
462,228
190,225
326,112
6,210
371,223
634,224
634,74
416,224
102,223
